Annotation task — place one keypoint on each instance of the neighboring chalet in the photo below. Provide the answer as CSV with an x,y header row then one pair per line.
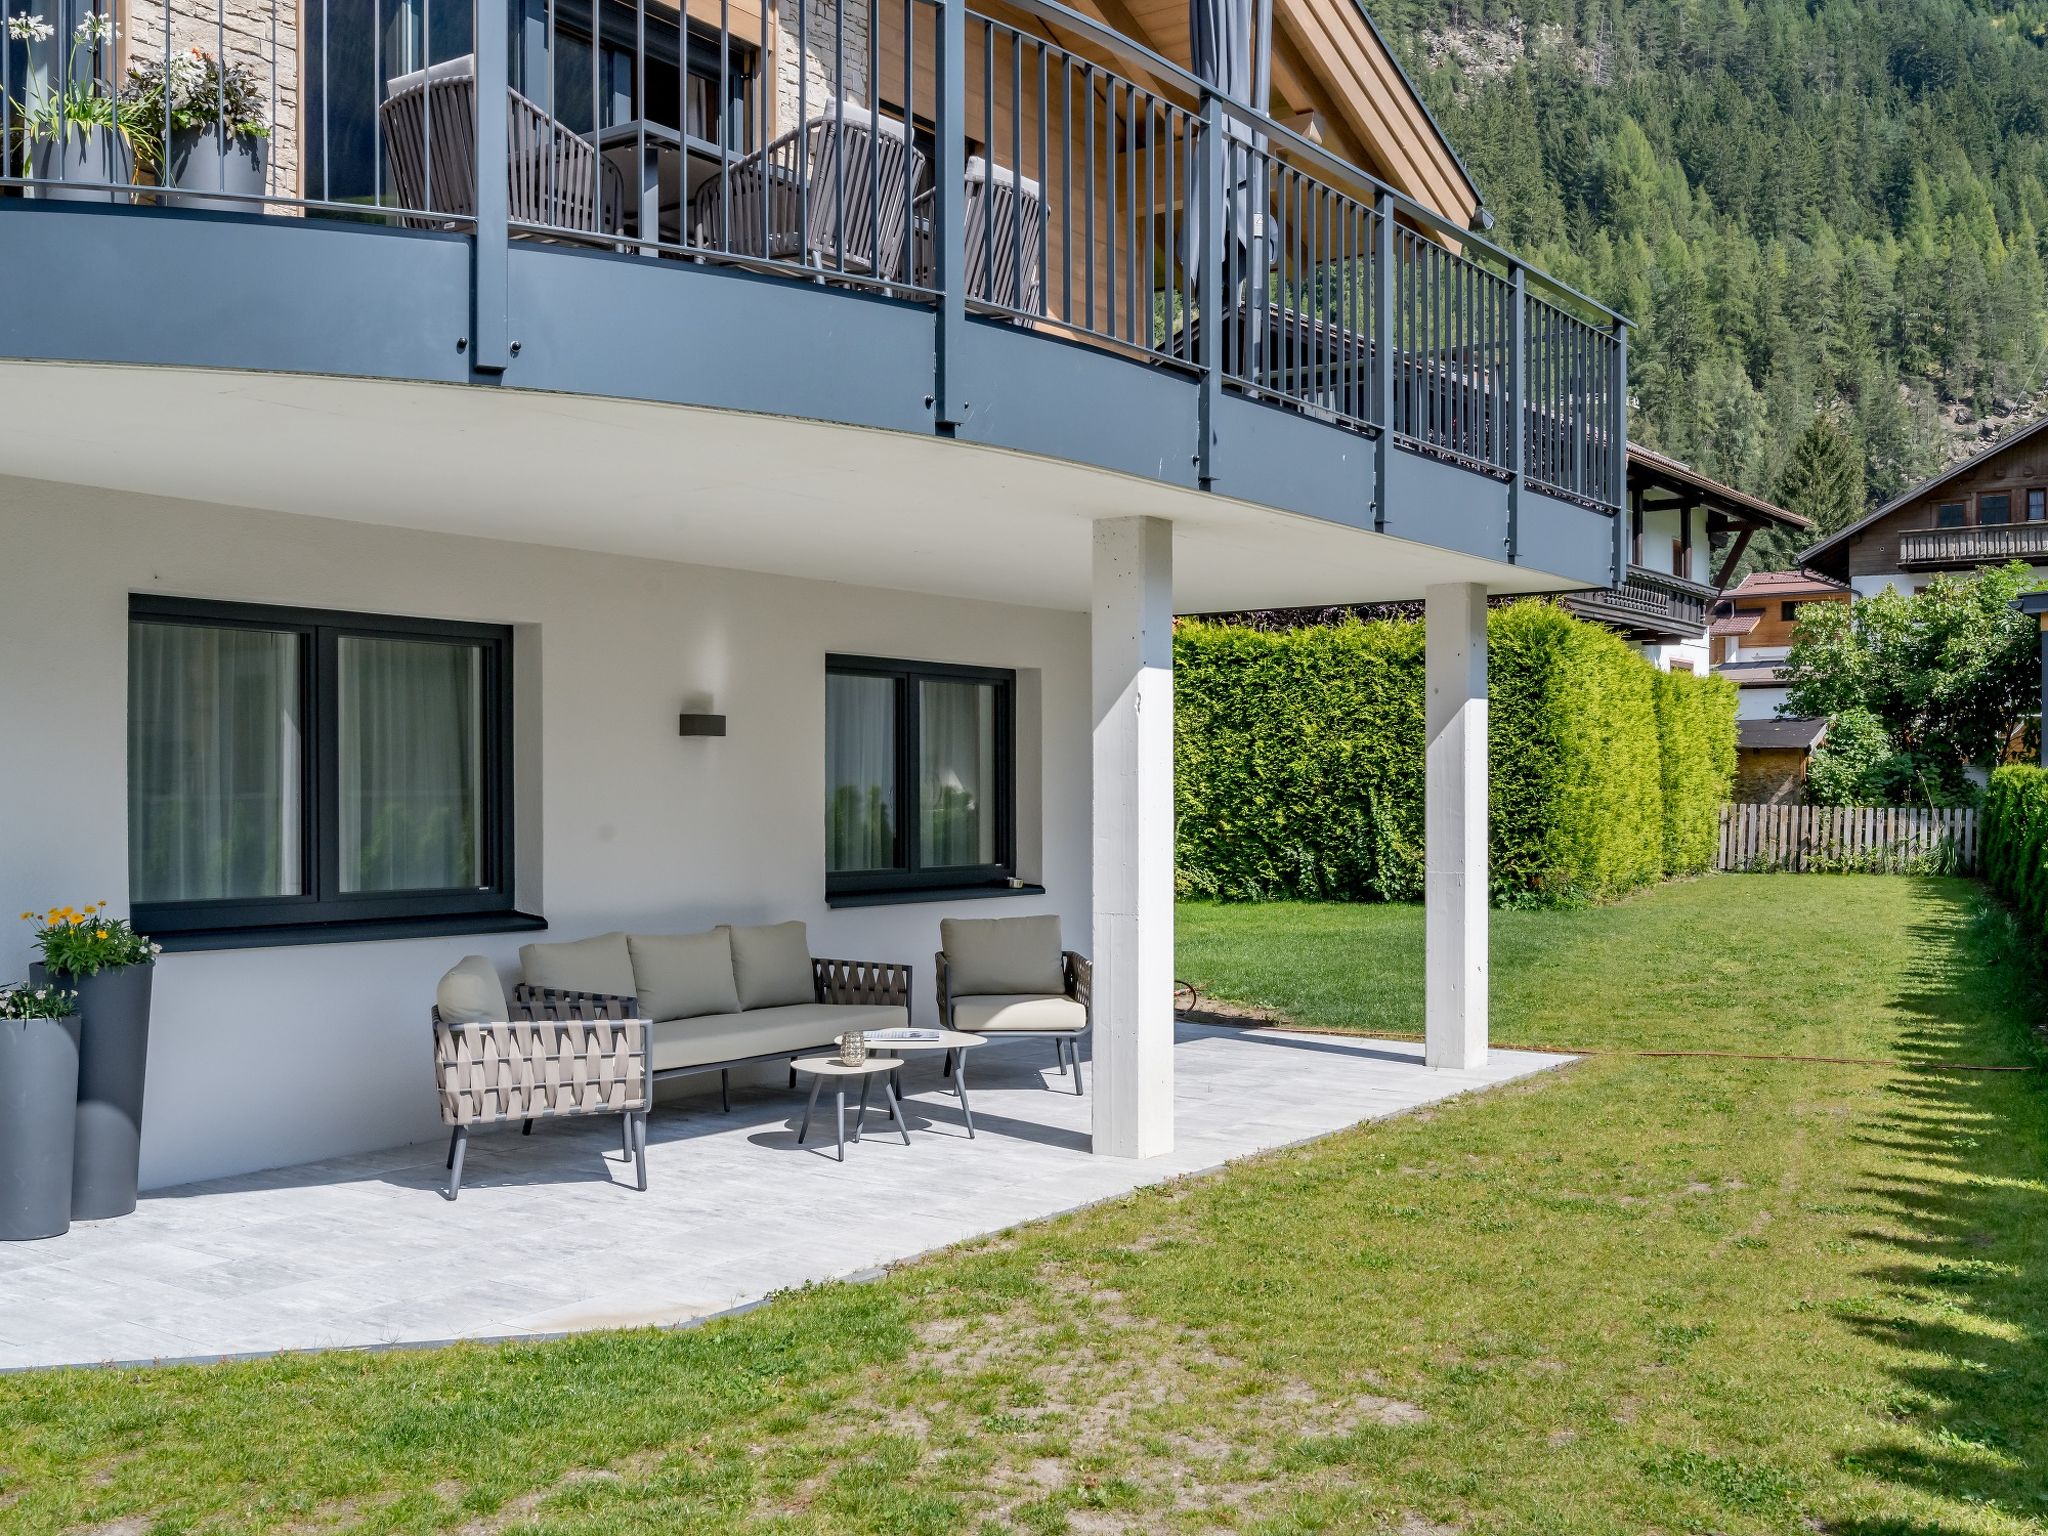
x,y
1987,510
1752,629
1676,517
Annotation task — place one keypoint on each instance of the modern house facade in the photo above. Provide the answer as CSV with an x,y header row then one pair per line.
x,y
621,470
1989,509
1685,532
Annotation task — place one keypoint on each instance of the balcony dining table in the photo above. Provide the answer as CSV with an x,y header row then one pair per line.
x,y
663,167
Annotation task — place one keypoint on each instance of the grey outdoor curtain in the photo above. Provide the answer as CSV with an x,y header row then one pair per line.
x,y
411,764
956,774
214,765
860,773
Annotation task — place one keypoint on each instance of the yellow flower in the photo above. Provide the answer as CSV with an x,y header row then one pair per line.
x,y
28,917
100,933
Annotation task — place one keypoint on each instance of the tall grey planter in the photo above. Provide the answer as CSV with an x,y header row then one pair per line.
x,y
81,153
113,1056
38,1110
202,161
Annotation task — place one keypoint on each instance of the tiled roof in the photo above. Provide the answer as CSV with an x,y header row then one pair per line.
x,y
1735,624
1783,583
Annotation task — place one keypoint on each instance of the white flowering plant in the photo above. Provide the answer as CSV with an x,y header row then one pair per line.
x,y
21,1001
82,100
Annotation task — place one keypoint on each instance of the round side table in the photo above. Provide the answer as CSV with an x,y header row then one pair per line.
x,y
823,1067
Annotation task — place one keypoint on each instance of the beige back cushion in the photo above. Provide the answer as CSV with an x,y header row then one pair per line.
x,y
683,975
1008,955
472,994
772,965
602,964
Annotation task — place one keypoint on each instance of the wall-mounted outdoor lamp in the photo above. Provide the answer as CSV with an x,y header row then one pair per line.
x,y
701,725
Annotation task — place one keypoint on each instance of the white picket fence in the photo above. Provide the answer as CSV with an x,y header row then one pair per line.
x,y
1872,839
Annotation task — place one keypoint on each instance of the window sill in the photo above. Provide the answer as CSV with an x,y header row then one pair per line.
x,y
361,931
929,893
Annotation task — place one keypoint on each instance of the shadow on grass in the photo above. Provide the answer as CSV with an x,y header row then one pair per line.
x,y
1961,1302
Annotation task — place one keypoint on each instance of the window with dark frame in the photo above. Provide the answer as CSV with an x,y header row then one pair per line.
x,y
2037,505
1788,613
920,776
292,768
1949,515
1994,507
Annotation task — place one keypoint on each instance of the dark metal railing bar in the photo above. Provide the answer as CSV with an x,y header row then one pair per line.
x,y
800,171
1088,190
1016,176
1043,233
838,261
1066,188
1131,308
1175,316
686,234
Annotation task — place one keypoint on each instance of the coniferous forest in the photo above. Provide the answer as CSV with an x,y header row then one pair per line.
x,y
1825,216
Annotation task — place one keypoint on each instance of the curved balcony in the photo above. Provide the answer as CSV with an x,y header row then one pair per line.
x,y
1030,234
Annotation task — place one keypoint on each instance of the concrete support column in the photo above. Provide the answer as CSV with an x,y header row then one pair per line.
x,y
1131,639
1454,827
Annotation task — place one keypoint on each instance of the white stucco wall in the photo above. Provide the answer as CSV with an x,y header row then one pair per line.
x,y
1870,586
1759,703
264,1057
1661,525
1691,653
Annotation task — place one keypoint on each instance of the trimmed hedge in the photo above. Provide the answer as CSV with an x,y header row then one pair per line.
x,y
2014,832
1299,761
1696,744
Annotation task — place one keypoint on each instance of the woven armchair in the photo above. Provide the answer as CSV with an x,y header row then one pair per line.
x,y
559,1055
1076,971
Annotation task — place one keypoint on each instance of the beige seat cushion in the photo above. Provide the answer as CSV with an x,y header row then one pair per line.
x,y
987,955
683,975
798,1028
1016,1013
472,994
772,965
602,964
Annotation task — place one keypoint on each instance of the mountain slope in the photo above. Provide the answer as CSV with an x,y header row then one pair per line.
x,y
1831,209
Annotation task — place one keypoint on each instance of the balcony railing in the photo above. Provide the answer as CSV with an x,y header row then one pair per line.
x,y
1084,188
1988,544
1648,603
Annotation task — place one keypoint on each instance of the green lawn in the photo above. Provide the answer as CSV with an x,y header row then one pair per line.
x,y
1663,1294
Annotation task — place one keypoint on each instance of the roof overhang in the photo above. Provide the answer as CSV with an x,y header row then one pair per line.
x,y
1648,469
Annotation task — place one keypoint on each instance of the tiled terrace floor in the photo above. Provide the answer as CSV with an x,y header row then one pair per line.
x,y
550,1236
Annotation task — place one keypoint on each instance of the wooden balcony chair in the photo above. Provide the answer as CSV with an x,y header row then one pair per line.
x,y
555,175
834,191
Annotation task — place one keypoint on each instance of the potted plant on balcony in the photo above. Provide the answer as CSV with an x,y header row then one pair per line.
x,y
109,965
38,1108
218,137
73,127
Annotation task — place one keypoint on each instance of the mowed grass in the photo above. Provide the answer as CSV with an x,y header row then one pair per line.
x,y
1639,1294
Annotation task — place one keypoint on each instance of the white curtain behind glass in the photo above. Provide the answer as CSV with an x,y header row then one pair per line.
x,y
411,757
213,763
957,774
860,773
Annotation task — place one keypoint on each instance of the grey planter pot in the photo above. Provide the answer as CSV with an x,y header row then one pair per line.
x,y
202,161
83,155
38,1110
113,1056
